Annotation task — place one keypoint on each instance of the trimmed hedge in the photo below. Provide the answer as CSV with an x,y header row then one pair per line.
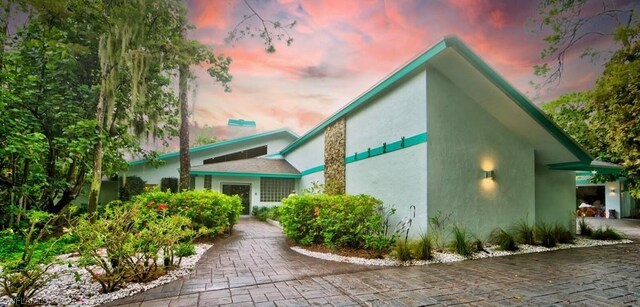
x,y
354,221
133,186
209,211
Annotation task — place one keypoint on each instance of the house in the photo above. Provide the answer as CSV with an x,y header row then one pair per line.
x,y
442,134
612,195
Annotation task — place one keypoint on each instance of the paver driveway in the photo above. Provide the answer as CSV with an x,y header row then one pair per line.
x,y
256,268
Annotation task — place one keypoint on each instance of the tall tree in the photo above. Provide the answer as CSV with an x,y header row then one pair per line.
x,y
606,119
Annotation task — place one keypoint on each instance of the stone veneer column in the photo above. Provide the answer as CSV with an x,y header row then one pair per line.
x,y
334,151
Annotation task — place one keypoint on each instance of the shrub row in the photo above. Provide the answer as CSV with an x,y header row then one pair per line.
x,y
354,221
210,212
264,213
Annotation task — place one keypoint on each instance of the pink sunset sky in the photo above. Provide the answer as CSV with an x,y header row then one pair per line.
x,y
343,47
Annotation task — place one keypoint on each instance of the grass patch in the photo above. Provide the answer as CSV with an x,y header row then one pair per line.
x,y
461,243
545,234
585,228
402,251
423,249
525,232
504,240
563,235
606,234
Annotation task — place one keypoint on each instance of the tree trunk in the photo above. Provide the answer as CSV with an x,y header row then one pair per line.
x,y
185,160
96,181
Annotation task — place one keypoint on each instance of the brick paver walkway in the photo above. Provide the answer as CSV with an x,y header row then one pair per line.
x,y
256,268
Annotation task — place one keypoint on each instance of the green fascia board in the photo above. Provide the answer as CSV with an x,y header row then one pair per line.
x,y
237,174
219,144
586,168
522,101
377,90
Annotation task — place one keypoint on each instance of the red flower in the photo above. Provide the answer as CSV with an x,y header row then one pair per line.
x,y
162,207
150,204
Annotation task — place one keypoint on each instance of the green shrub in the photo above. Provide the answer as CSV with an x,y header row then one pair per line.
x,y
274,213
335,220
461,243
606,234
545,234
134,186
23,278
260,213
563,235
423,249
504,240
585,228
132,235
169,184
211,212
525,232
402,251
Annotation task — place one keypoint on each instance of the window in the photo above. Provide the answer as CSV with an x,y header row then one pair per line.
x,y
192,182
245,154
275,189
207,182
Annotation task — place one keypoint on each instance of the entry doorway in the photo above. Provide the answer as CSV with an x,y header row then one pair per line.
x,y
591,200
241,189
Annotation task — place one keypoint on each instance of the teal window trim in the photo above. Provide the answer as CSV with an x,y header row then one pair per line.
x,y
219,144
386,148
240,174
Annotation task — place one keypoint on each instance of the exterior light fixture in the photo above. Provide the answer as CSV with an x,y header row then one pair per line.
x,y
594,172
490,175
613,190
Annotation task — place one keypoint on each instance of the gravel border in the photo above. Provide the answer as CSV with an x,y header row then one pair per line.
x,y
73,285
446,257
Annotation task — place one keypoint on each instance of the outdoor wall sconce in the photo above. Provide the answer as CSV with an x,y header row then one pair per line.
x,y
613,190
490,175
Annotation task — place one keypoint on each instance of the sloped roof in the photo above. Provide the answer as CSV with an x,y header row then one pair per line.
x,y
221,144
451,48
254,167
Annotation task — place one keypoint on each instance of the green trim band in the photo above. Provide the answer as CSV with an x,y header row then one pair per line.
x,y
586,168
218,144
312,170
387,148
236,174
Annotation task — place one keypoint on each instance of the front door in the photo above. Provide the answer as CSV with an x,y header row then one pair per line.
x,y
242,190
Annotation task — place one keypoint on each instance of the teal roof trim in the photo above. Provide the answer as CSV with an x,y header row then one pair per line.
x,y
312,170
419,62
372,93
581,167
219,144
522,101
237,174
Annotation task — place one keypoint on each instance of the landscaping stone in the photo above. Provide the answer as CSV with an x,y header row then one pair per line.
x,y
73,285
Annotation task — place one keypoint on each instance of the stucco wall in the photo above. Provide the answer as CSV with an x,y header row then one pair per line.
x,y
153,175
308,155
108,192
555,196
464,141
399,113
398,179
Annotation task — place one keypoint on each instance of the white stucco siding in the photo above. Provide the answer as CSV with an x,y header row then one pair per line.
x,y
399,113
308,155
465,141
307,181
399,179
555,197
